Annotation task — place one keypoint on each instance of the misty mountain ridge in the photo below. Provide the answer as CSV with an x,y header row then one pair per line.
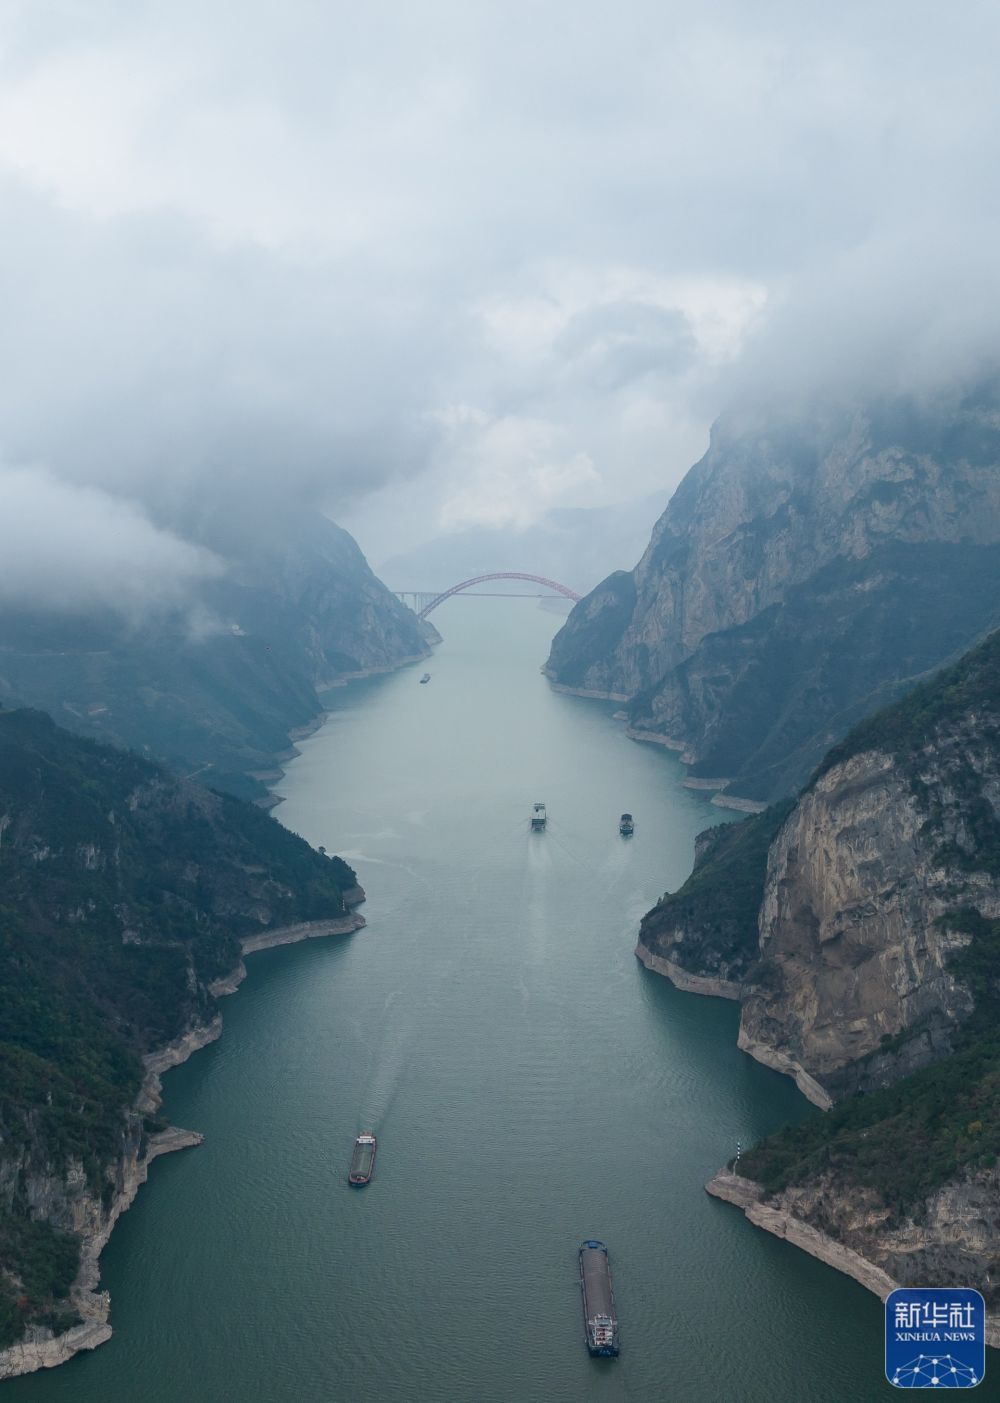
x,y
216,683
575,546
809,569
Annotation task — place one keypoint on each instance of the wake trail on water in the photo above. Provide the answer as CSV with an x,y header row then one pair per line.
x,y
407,1013
355,856
394,1053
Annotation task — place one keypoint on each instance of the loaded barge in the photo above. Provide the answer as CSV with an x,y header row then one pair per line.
x,y
600,1321
363,1160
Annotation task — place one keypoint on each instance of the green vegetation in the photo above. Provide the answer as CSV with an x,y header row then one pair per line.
x,y
904,1141
46,1264
123,893
721,899
904,729
591,634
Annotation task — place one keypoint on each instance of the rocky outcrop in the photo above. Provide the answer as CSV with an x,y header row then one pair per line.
x,y
855,985
839,918
953,1244
875,970
704,938
43,1350
806,572
63,1200
690,983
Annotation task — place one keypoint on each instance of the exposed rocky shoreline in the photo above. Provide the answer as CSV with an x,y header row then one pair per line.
x,y
683,979
584,691
40,1349
742,806
745,1194
713,987
780,1061
775,1215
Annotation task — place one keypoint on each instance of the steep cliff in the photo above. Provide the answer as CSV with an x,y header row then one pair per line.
x,y
704,937
950,1240
806,571
865,923
126,897
218,687
875,982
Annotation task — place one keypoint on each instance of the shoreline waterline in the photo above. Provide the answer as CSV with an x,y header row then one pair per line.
x,y
91,1303
499,1006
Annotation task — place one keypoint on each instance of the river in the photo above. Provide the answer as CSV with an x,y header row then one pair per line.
x,y
529,1082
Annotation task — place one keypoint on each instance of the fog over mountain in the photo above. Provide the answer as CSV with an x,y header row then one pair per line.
x,y
574,545
454,268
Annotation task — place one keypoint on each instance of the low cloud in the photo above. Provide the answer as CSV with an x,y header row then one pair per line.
x,y
912,312
249,255
77,549
512,469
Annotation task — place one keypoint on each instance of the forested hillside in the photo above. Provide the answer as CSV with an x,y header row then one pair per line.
x,y
123,893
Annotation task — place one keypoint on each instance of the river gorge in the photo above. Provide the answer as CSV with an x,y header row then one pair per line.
x,y
530,1084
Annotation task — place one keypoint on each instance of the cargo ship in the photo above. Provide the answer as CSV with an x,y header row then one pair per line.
x,y
363,1159
600,1321
538,819
626,826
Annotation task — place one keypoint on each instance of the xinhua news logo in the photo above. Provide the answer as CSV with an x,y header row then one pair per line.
x,y
935,1337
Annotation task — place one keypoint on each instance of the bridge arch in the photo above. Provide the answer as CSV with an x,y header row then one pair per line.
x,y
501,575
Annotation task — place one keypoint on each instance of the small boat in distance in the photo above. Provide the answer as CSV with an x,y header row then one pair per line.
x,y
626,826
600,1321
363,1159
538,819
426,677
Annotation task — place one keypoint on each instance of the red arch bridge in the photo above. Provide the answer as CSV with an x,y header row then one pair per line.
x,y
424,603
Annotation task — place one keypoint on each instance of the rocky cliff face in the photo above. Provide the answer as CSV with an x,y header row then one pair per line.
x,y
854,948
778,599
316,592
869,885
875,970
704,938
218,690
853,1229
849,919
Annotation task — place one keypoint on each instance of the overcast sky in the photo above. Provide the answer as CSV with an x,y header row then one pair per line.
x,y
442,265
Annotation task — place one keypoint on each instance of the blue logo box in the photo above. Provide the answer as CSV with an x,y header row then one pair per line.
x,y
935,1337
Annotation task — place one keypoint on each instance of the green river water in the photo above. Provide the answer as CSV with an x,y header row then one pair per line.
x,y
530,1084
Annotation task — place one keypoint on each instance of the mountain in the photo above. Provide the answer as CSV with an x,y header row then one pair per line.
x,y
575,546
860,927
217,688
807,571
127,897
